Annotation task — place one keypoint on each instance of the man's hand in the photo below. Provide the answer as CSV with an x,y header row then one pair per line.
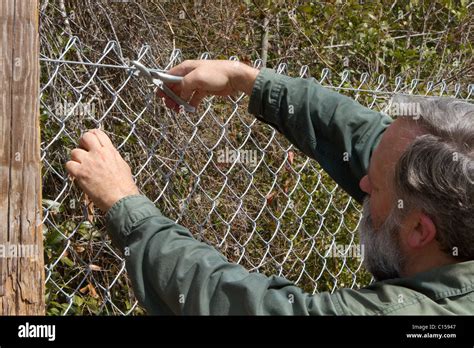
x,y
210,77
100,170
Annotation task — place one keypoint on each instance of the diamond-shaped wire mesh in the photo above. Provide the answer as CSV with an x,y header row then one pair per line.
x,y
272,210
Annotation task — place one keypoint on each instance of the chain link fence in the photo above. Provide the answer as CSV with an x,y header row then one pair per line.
x,y
234,182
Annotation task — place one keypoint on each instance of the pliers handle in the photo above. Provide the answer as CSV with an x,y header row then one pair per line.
x,y
159,78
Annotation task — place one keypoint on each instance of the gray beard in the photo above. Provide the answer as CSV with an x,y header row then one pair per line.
x,y
381,247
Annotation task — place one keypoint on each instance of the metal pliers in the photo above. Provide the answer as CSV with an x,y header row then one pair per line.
x,y
158,78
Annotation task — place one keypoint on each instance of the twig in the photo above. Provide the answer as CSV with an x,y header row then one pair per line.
x,y
264,52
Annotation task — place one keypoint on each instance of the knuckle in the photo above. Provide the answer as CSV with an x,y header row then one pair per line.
x,y
69,166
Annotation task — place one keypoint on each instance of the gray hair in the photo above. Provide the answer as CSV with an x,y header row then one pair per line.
x,y
436,172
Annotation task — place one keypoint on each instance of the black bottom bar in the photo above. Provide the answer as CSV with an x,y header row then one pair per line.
x,y
138,331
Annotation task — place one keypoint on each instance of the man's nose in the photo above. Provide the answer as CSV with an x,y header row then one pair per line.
x,y
364,184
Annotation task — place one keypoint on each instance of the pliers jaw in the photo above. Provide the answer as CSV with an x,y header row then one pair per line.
x,y
159,78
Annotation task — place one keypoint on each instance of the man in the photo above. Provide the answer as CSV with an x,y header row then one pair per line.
x,y
418,193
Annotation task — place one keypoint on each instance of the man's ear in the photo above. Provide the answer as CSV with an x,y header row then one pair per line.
x,y
422,231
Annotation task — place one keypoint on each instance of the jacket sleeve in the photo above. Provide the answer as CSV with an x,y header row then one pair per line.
x,y
173,273
331,128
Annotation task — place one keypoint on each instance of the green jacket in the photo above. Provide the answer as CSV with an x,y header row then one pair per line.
x,y
172,273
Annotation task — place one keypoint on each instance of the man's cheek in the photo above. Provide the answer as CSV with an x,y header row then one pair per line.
x,y
375,213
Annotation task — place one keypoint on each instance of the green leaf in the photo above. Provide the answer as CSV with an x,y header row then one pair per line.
x,y
67,261
51,205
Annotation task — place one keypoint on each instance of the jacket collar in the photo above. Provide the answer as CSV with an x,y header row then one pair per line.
x,y
446,281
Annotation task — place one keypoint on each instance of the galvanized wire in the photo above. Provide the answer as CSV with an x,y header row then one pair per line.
x,y
278,215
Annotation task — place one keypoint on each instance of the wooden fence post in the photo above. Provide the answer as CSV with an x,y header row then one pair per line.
x,y
21,242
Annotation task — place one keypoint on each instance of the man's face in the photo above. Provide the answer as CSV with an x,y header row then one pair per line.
x,y
380,226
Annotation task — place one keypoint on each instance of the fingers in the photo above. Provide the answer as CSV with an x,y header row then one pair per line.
x,y
94,139
89,141
184,68
191,80
78,155
190,86
103,138
73,168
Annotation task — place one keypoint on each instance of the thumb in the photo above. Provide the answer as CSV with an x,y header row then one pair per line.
x,y
191,82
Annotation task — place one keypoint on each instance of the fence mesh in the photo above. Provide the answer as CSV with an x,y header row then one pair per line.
x,y
234,182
